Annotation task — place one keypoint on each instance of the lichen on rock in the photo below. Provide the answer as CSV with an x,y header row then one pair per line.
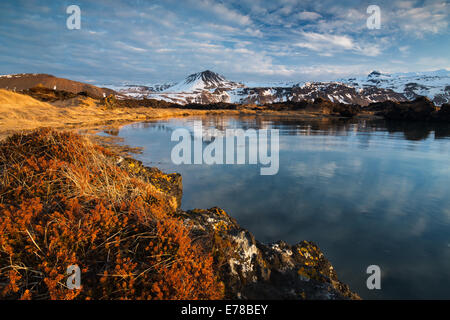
x,y
170,184
254,270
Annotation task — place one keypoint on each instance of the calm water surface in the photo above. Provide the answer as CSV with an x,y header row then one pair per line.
x,y
367,192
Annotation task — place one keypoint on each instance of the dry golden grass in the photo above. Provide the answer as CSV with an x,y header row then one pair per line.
x,y
20,112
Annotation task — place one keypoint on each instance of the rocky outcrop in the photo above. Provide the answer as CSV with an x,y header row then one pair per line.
x,y
42,93
170,184
248,268
253,270
341,109
443,114
420,109
347,110
318,106
109,102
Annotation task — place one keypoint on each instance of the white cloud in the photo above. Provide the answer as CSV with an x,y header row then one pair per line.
x,y
206,35
128,47
254,32
224,12
320,42
307,15
164,50
404,49
327,44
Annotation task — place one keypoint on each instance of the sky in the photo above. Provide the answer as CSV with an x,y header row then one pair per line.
x,y
146,41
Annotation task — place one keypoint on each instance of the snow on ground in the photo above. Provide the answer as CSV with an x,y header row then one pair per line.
x,y
429,84
185,86
275,84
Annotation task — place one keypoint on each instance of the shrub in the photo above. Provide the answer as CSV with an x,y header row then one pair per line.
x,y
64,201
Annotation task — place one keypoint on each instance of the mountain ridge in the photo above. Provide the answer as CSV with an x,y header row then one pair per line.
x,y
210,87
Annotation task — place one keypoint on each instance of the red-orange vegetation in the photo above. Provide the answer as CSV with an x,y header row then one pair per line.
x,y
64,201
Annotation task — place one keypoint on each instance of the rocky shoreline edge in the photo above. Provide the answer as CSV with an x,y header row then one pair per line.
x,y
248,268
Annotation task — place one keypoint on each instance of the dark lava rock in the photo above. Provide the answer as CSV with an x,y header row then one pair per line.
x,y
250,269
420,109
253,270
347,110
321,105
325,106
109,102
287,105
381,107
212,106
445,109
443,114
44,94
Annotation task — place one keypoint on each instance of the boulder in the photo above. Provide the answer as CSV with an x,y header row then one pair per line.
x,y
420,109
253,270
347,110
109,102
380,107
443,114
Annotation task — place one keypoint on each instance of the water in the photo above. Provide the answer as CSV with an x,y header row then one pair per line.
x,y
367,192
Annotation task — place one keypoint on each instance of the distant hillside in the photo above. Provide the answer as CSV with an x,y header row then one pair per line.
x,y
25,81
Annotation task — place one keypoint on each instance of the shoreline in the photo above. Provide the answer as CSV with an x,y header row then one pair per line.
x,y
247,268
145,114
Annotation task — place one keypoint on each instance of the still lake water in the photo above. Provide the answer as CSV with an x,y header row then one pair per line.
x,y
367,192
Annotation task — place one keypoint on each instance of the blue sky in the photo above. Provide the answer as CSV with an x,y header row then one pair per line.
x,y
256,40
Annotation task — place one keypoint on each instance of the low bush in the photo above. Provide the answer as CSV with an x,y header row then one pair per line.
x,y
64,201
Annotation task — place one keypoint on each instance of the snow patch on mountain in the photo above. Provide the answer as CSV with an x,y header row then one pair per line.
x,y
433,84
206,80
138,91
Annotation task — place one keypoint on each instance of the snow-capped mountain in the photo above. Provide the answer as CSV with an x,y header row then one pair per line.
x,y
202,87
333,91
206,80
435,84
210,87
138,91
